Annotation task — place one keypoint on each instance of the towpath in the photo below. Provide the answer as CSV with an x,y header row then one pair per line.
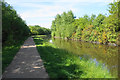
x,y
27,63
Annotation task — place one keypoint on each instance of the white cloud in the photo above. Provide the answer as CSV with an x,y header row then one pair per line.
x,y
17,1
43,14
46,25
46,11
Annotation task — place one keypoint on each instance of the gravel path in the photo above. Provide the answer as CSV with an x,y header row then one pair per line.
x,y
27,63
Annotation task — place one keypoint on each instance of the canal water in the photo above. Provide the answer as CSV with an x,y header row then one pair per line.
x,y
103,54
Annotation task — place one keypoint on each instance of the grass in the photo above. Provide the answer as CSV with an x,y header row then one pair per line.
x,y
8,53
60,63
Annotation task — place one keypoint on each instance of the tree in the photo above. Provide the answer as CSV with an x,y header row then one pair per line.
x,y
94,28
13,27
99,20
38,30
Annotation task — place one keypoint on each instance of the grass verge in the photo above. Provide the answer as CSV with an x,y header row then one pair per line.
x,y
60,63
8,53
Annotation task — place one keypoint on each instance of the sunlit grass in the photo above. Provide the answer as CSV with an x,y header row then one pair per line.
x,y
8,53
60,63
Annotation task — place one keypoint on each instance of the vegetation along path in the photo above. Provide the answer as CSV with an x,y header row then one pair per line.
x,y
27,63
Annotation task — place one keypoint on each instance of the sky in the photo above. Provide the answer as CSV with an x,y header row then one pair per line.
x,y
42,12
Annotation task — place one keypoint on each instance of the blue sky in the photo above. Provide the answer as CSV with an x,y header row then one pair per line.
x,y
42,12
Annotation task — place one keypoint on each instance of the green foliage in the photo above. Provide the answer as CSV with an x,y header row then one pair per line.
x,y
37,30
13,27
99,20
60,63
14,32
101,28
9,51
62,25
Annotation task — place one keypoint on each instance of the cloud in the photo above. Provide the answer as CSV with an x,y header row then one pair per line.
x,y
46,10
46,25
17,1
45,13
42,12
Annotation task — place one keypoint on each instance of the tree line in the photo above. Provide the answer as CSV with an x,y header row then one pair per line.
x,y
101,28
14,28
38,30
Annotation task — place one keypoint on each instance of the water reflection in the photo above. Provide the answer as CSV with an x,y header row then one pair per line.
x,y
107,55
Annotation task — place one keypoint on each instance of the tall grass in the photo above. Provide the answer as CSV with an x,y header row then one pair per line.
x,y
60,63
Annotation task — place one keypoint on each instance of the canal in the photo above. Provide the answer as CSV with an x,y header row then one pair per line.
x,y
105,55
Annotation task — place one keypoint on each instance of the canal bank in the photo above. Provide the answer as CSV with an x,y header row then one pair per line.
x,y
77,60
95,42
